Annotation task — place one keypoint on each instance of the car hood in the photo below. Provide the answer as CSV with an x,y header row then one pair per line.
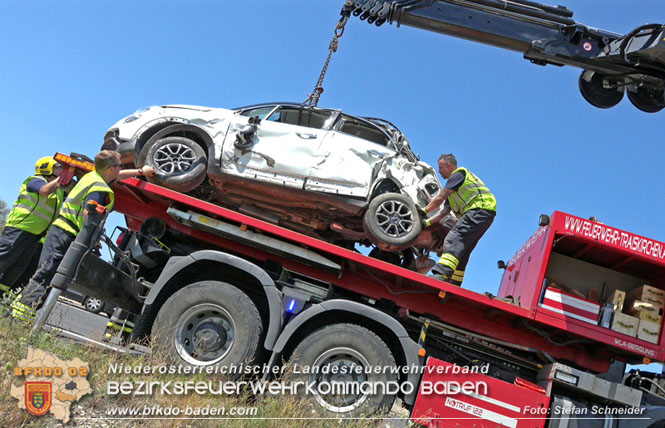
x,y
188,107
131,126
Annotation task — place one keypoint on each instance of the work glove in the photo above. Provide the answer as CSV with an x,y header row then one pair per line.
x,y
426,222
66,176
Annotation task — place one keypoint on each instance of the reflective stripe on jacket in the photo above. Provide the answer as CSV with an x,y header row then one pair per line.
x,y
31,211
71,213
472,194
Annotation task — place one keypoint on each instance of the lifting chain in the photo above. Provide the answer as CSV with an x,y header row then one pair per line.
x,y
313,98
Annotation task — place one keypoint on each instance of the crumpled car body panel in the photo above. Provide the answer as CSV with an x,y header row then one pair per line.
x,y
305,177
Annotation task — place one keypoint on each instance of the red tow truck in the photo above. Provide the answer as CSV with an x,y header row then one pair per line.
x,y
213,287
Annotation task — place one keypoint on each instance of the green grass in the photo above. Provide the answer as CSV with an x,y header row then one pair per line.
x,y
15,338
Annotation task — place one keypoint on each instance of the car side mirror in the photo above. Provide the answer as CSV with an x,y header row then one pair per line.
x,y
245,135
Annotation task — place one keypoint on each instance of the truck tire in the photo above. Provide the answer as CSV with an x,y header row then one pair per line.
x,y
180,163
206,323
392,222
345,345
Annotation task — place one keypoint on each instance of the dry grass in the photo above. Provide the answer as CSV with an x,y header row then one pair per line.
x,y
15,339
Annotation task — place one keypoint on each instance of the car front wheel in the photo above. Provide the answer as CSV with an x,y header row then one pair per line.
x,y
392,222
180,163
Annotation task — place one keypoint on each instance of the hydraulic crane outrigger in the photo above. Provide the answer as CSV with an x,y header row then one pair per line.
x,y
613,63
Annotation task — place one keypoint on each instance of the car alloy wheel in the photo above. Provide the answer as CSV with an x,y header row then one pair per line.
x,y
391,222
394,218
180,163
174,158
93,304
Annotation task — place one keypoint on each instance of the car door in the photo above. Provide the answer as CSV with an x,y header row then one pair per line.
x,y
283,148
348,157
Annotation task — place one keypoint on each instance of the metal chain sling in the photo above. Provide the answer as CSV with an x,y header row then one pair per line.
x,y
313,98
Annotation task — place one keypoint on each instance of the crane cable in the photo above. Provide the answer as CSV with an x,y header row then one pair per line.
x,y
313,98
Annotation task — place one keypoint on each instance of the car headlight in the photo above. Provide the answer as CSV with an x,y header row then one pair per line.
x,y
432,188
428,187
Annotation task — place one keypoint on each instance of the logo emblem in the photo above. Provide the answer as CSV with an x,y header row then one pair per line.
x,y
587,46
38,397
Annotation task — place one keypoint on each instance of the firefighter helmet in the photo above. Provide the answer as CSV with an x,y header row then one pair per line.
x,y
45,166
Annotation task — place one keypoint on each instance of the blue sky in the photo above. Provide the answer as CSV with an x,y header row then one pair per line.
x,y
71,69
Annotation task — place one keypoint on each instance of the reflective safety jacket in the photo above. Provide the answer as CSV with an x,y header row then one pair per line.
x,y
72,212
472,194
32,212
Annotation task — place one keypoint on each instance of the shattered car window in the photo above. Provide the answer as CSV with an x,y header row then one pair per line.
x,y
301,117
364,130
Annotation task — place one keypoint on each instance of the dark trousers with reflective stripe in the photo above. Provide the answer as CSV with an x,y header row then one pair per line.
x,y
16,248
55,246
28,270
460,242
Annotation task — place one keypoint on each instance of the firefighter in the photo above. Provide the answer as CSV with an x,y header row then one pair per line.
x,y
94,186
33,212
475,208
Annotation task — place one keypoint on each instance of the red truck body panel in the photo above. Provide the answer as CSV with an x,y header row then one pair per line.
x,y
449,397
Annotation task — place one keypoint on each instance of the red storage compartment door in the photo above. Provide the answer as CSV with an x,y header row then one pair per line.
x,y
450,398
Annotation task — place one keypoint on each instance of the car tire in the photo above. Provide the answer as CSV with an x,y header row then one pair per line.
x,y
180,163
345,345
392,222
214,311
93,304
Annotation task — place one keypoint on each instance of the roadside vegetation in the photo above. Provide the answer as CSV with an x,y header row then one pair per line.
x,y
93,409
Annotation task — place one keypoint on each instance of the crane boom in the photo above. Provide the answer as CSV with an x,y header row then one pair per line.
x,y
613,63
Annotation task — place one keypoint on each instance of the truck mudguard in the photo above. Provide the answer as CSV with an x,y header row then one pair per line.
x,y
409,347
273,295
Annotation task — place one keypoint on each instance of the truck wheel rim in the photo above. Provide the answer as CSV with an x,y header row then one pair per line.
x,y
173,158
204,334
346,360
394,218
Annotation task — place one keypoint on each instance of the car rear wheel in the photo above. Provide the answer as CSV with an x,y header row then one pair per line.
x,y
180,163
392,222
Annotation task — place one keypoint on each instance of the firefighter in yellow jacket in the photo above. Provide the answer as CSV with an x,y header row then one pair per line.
x,y
475,208
33,213
94,186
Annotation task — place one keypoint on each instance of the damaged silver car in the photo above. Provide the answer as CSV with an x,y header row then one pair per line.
x,y
341,178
